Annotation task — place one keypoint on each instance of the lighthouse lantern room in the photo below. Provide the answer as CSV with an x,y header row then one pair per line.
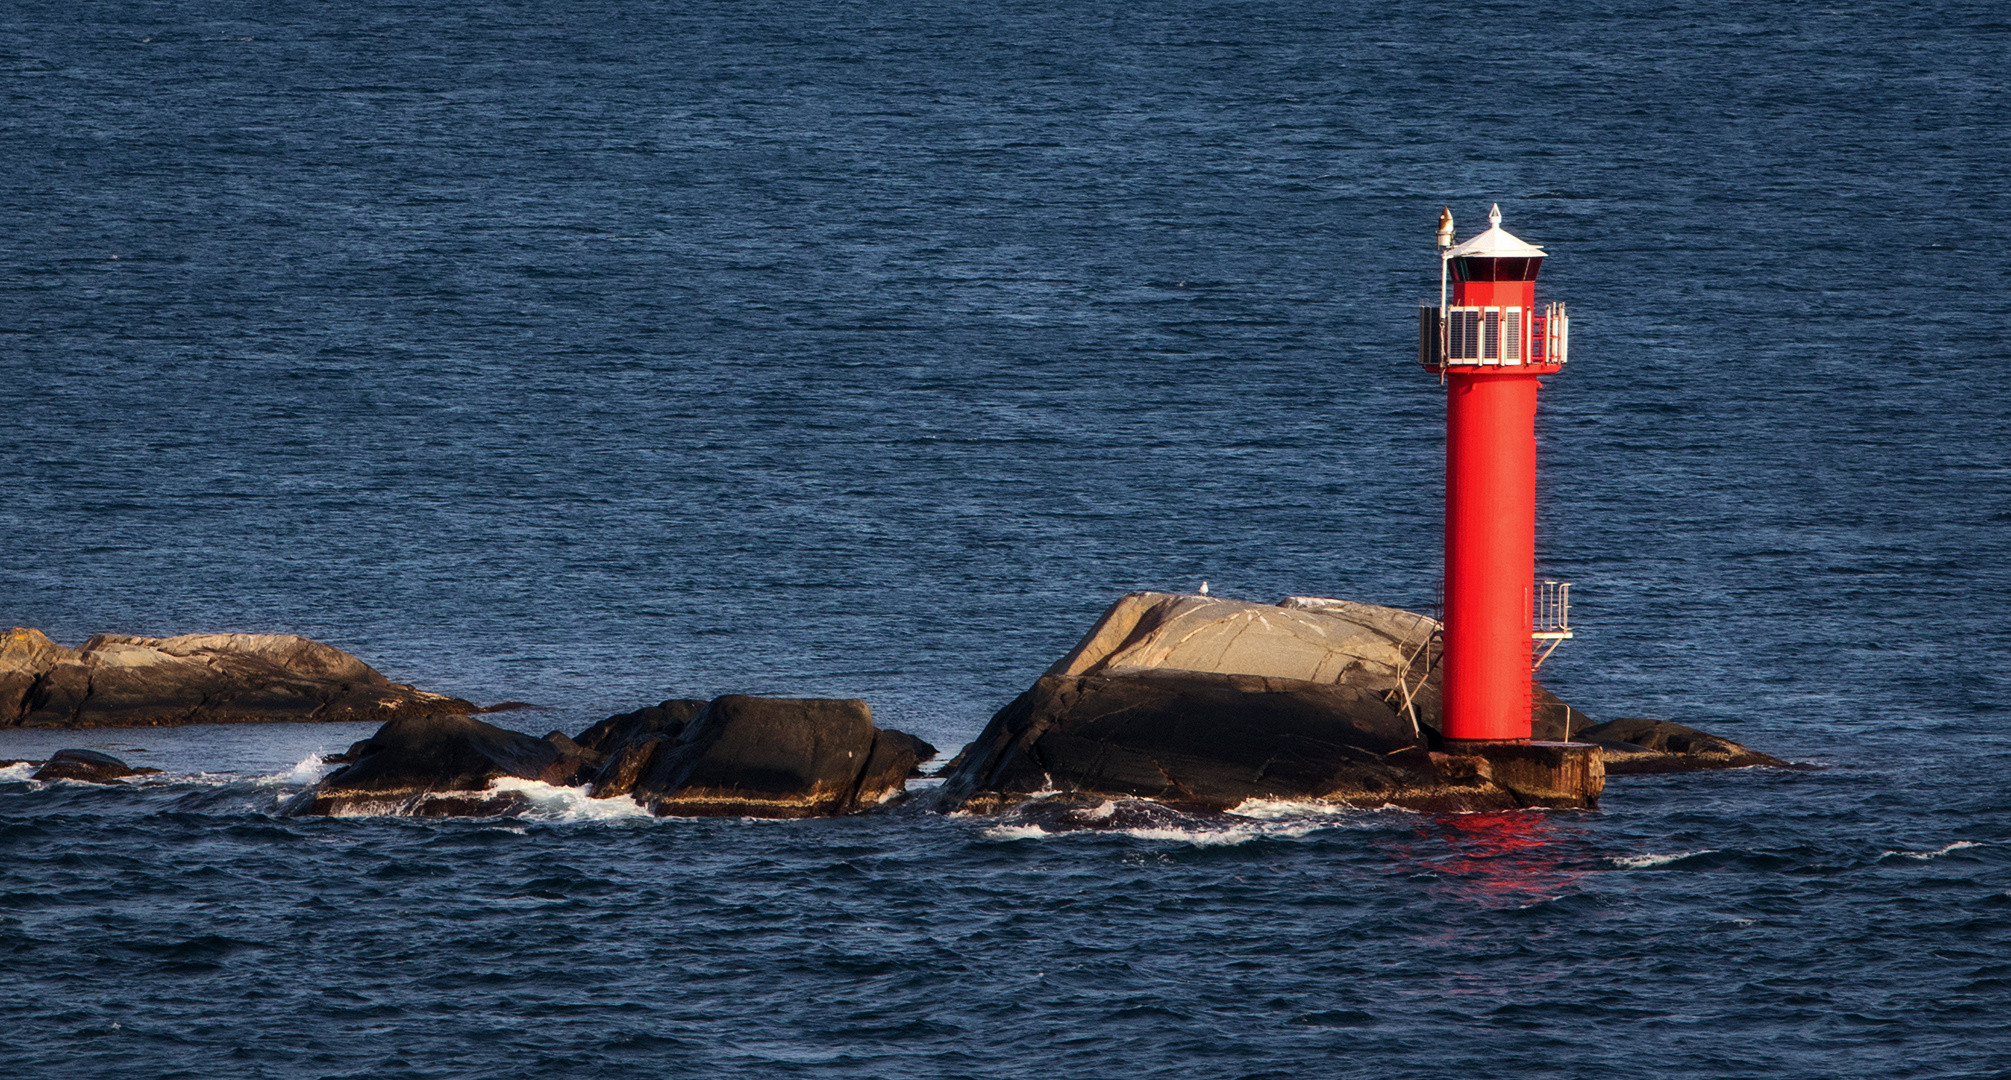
x,y
1489,344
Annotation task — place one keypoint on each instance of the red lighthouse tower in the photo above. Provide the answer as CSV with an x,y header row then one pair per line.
x,y
1489,346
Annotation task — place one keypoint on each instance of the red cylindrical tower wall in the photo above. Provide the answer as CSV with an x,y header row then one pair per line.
x,y
1491,369
1490,550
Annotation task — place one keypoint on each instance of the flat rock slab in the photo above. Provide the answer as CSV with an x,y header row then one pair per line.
x,y
1386,651
116,680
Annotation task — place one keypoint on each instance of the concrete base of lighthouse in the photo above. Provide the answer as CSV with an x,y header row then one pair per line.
x,y
1550,774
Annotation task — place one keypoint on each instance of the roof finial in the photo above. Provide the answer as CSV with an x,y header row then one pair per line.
x,y
1494,216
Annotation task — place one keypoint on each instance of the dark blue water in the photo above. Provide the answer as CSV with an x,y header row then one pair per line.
x,y
592,353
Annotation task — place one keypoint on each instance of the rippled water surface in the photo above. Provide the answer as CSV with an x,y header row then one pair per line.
x,y
591,354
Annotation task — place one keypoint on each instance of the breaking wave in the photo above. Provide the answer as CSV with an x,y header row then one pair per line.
x,y
1945,849
1651,861
311,770
549,802
1053,815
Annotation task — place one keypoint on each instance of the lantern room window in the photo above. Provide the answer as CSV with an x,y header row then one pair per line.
x,y
1482,268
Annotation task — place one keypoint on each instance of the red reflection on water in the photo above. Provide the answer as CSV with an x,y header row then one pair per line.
x,y
1509,858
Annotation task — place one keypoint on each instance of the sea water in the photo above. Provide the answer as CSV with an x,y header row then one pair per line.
x,y
590,354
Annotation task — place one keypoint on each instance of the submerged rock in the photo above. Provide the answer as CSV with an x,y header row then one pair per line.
x,y
86,765
119,681
1636,746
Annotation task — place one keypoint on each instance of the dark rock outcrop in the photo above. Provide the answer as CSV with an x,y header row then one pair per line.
x,y
1210,740
1205,701
738,756
440,766
1549,717
629,742
86,765
771,757
626,766
1636,746
120,681
1387,652
666,719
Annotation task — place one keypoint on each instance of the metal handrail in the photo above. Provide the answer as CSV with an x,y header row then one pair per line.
x,y
1553,609
1552,618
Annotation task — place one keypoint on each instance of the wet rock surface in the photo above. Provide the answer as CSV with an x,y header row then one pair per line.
x,y
116,680
89,766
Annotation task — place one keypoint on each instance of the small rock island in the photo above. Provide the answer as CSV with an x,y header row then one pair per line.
x,y
1206,702
733,756
116,680
1196,702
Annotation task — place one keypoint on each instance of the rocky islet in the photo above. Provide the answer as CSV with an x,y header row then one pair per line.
x,y
119,680
734,756
1194,702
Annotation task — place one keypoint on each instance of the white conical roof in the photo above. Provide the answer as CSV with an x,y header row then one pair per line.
x,y
1496,243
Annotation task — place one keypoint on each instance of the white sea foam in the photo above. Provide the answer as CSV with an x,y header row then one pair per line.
x,y
1200,835
1016,832
210,779
17,772
1649,862
310,771
550,802
1935,854
1226,837
1252,819
1286,810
